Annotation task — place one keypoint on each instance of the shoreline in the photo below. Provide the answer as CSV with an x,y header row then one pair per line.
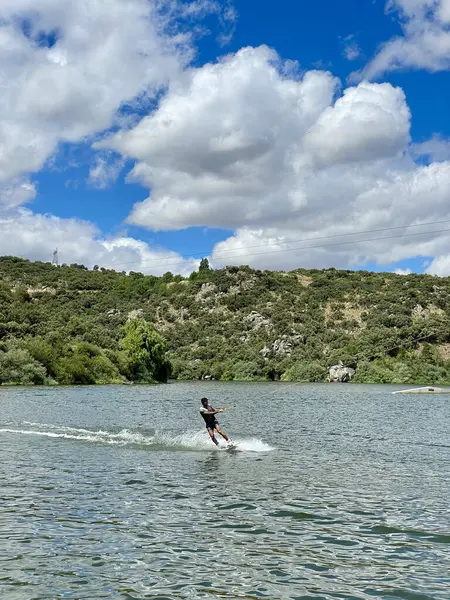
x,y
439,389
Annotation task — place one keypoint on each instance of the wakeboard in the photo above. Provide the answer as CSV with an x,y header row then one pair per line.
x,y
233,446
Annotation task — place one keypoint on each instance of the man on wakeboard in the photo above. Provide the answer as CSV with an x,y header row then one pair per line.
x,y
209,413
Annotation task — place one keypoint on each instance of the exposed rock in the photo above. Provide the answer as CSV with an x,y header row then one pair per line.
x,y
424,313
340,373
113,312
243,285
43,289
234,290
247,284
265,352
282,347
138,313
207,378
178,315
304,280
223,311
206,291
417,310
257,321
443,351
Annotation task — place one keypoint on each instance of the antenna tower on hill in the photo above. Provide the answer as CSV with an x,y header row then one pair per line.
x,y
55,259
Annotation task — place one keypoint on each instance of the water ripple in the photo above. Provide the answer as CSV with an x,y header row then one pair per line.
x,y
94,505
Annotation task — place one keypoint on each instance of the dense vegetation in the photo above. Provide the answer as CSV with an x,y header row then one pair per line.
x,y
67,324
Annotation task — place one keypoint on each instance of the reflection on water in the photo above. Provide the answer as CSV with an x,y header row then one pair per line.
x,y
342,493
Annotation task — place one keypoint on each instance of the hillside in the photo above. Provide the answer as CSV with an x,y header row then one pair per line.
x,y
233,324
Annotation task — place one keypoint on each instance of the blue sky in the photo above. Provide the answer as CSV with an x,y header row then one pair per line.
x,y
255,136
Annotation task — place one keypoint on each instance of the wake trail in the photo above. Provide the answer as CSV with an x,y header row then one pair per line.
x,y
190,441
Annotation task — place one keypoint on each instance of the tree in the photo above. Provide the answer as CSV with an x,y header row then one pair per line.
x,y
305,372
204,266
43,353
167,277
146,352
86,364
22,294
18,367
70,323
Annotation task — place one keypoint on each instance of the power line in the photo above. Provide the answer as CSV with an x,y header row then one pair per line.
x,y
391,237
326,237
360,357
222,256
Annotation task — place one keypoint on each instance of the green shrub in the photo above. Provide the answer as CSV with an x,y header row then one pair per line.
x,y
305,372
18,367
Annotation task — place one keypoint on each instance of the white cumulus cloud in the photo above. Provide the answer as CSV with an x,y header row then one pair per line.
x,y
440,266
402,271
368,122
17,191
425,43
35,236
250,145
289,161
435,149
67,68
221,149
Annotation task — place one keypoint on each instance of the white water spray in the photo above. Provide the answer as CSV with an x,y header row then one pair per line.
x,y
190,441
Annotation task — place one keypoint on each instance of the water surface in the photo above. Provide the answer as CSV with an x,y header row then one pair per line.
x,y
336,492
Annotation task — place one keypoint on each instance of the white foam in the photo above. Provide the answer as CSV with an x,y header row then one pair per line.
x,y
253,445
160,440
95,437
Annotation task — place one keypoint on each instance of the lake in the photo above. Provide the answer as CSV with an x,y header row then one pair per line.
x,y
335,492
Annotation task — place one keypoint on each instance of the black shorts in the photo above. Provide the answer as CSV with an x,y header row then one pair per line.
x,y
212,425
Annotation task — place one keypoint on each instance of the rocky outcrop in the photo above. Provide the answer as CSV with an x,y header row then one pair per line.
x,y
207,291
43,289
257,321
420,312
138,313
242,286
282,347
417,311
265,352
340,373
